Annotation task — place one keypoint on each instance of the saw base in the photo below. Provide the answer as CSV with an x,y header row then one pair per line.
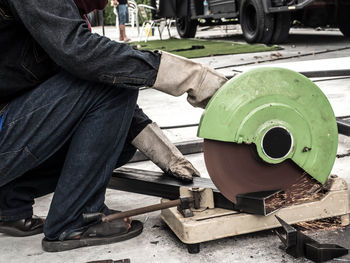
x,y
216,223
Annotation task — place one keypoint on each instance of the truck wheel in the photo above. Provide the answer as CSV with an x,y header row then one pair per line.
x,y
186,27
281,28
344,19
256,25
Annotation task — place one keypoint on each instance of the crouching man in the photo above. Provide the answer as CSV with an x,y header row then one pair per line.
x,y
68,117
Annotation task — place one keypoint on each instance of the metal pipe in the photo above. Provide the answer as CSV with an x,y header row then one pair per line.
x,y
146,209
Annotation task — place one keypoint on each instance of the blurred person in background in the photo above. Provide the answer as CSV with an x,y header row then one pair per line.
x,y
122,13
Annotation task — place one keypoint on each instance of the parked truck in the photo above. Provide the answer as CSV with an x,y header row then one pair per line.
x,y
262,21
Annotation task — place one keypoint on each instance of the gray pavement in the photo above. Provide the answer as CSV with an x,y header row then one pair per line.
x,y
157,243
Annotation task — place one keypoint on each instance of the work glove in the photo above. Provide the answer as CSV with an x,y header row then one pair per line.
x,y
177,75
153,143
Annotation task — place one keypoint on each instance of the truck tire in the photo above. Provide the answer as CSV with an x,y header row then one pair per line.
x,y
344,19
186,27
256,25
281,28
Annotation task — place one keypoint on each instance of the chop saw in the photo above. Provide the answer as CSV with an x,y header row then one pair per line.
x,y
270,142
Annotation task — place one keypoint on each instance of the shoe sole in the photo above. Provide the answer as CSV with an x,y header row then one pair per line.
x,y
57,246
19,233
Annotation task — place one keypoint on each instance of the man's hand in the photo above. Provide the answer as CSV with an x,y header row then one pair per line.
x,y
153,143
177,75
115,3
183,170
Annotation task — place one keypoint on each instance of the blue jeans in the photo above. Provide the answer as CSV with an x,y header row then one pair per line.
x,y
123,14
65,136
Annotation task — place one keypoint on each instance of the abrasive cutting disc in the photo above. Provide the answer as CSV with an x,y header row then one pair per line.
x,y
237,169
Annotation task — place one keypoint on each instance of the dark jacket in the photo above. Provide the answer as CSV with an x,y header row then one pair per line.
x,y
39,37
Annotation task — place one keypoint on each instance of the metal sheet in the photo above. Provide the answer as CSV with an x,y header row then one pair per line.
x,y
237,169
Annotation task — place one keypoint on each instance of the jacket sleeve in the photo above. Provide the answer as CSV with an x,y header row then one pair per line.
x,y
139,121
59,29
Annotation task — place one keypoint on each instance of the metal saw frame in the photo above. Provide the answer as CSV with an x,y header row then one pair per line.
x,y
203,225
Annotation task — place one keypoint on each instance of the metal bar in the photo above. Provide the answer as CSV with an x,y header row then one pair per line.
x,y
269,9
188,147
313,74
343,126
216,16
285,57
326,73
179,126
157,184
144,210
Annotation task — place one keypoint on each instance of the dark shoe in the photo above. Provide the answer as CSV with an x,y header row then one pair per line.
x,y
23,227
99,234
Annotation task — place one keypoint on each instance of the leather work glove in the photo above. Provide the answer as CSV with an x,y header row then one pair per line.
x,y
153,143
177,75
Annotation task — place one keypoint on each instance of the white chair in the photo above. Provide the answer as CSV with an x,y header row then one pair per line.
x,y
133,15
145,12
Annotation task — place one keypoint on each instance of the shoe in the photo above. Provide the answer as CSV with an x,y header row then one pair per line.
x,y
23,227
127,40
100,234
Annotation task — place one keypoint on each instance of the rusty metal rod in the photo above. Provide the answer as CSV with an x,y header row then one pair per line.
x,y
144,210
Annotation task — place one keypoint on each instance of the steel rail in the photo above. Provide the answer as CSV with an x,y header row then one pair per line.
x,y
159,185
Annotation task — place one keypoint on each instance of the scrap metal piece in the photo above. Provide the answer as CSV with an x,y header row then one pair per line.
x,y
298,245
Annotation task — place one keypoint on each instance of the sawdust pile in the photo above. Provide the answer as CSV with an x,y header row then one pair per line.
x,y
333,223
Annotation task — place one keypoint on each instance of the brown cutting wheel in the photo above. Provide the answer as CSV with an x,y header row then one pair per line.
x,y
237,169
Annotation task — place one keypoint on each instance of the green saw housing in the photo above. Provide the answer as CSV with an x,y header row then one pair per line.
x,y
280,111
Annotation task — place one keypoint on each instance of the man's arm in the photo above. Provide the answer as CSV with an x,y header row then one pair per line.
x,y
64,35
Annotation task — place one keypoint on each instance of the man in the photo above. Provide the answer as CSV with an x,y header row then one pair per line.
x,y
68,117
122,17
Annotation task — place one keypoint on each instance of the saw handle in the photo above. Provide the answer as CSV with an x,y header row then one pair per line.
x,y
147,209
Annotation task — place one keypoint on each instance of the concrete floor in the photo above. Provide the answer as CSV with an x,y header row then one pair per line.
x,y
157,243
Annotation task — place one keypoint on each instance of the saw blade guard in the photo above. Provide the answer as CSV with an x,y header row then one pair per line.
x,y
282,112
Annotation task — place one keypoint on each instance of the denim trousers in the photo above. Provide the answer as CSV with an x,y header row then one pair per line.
x,y
65,136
